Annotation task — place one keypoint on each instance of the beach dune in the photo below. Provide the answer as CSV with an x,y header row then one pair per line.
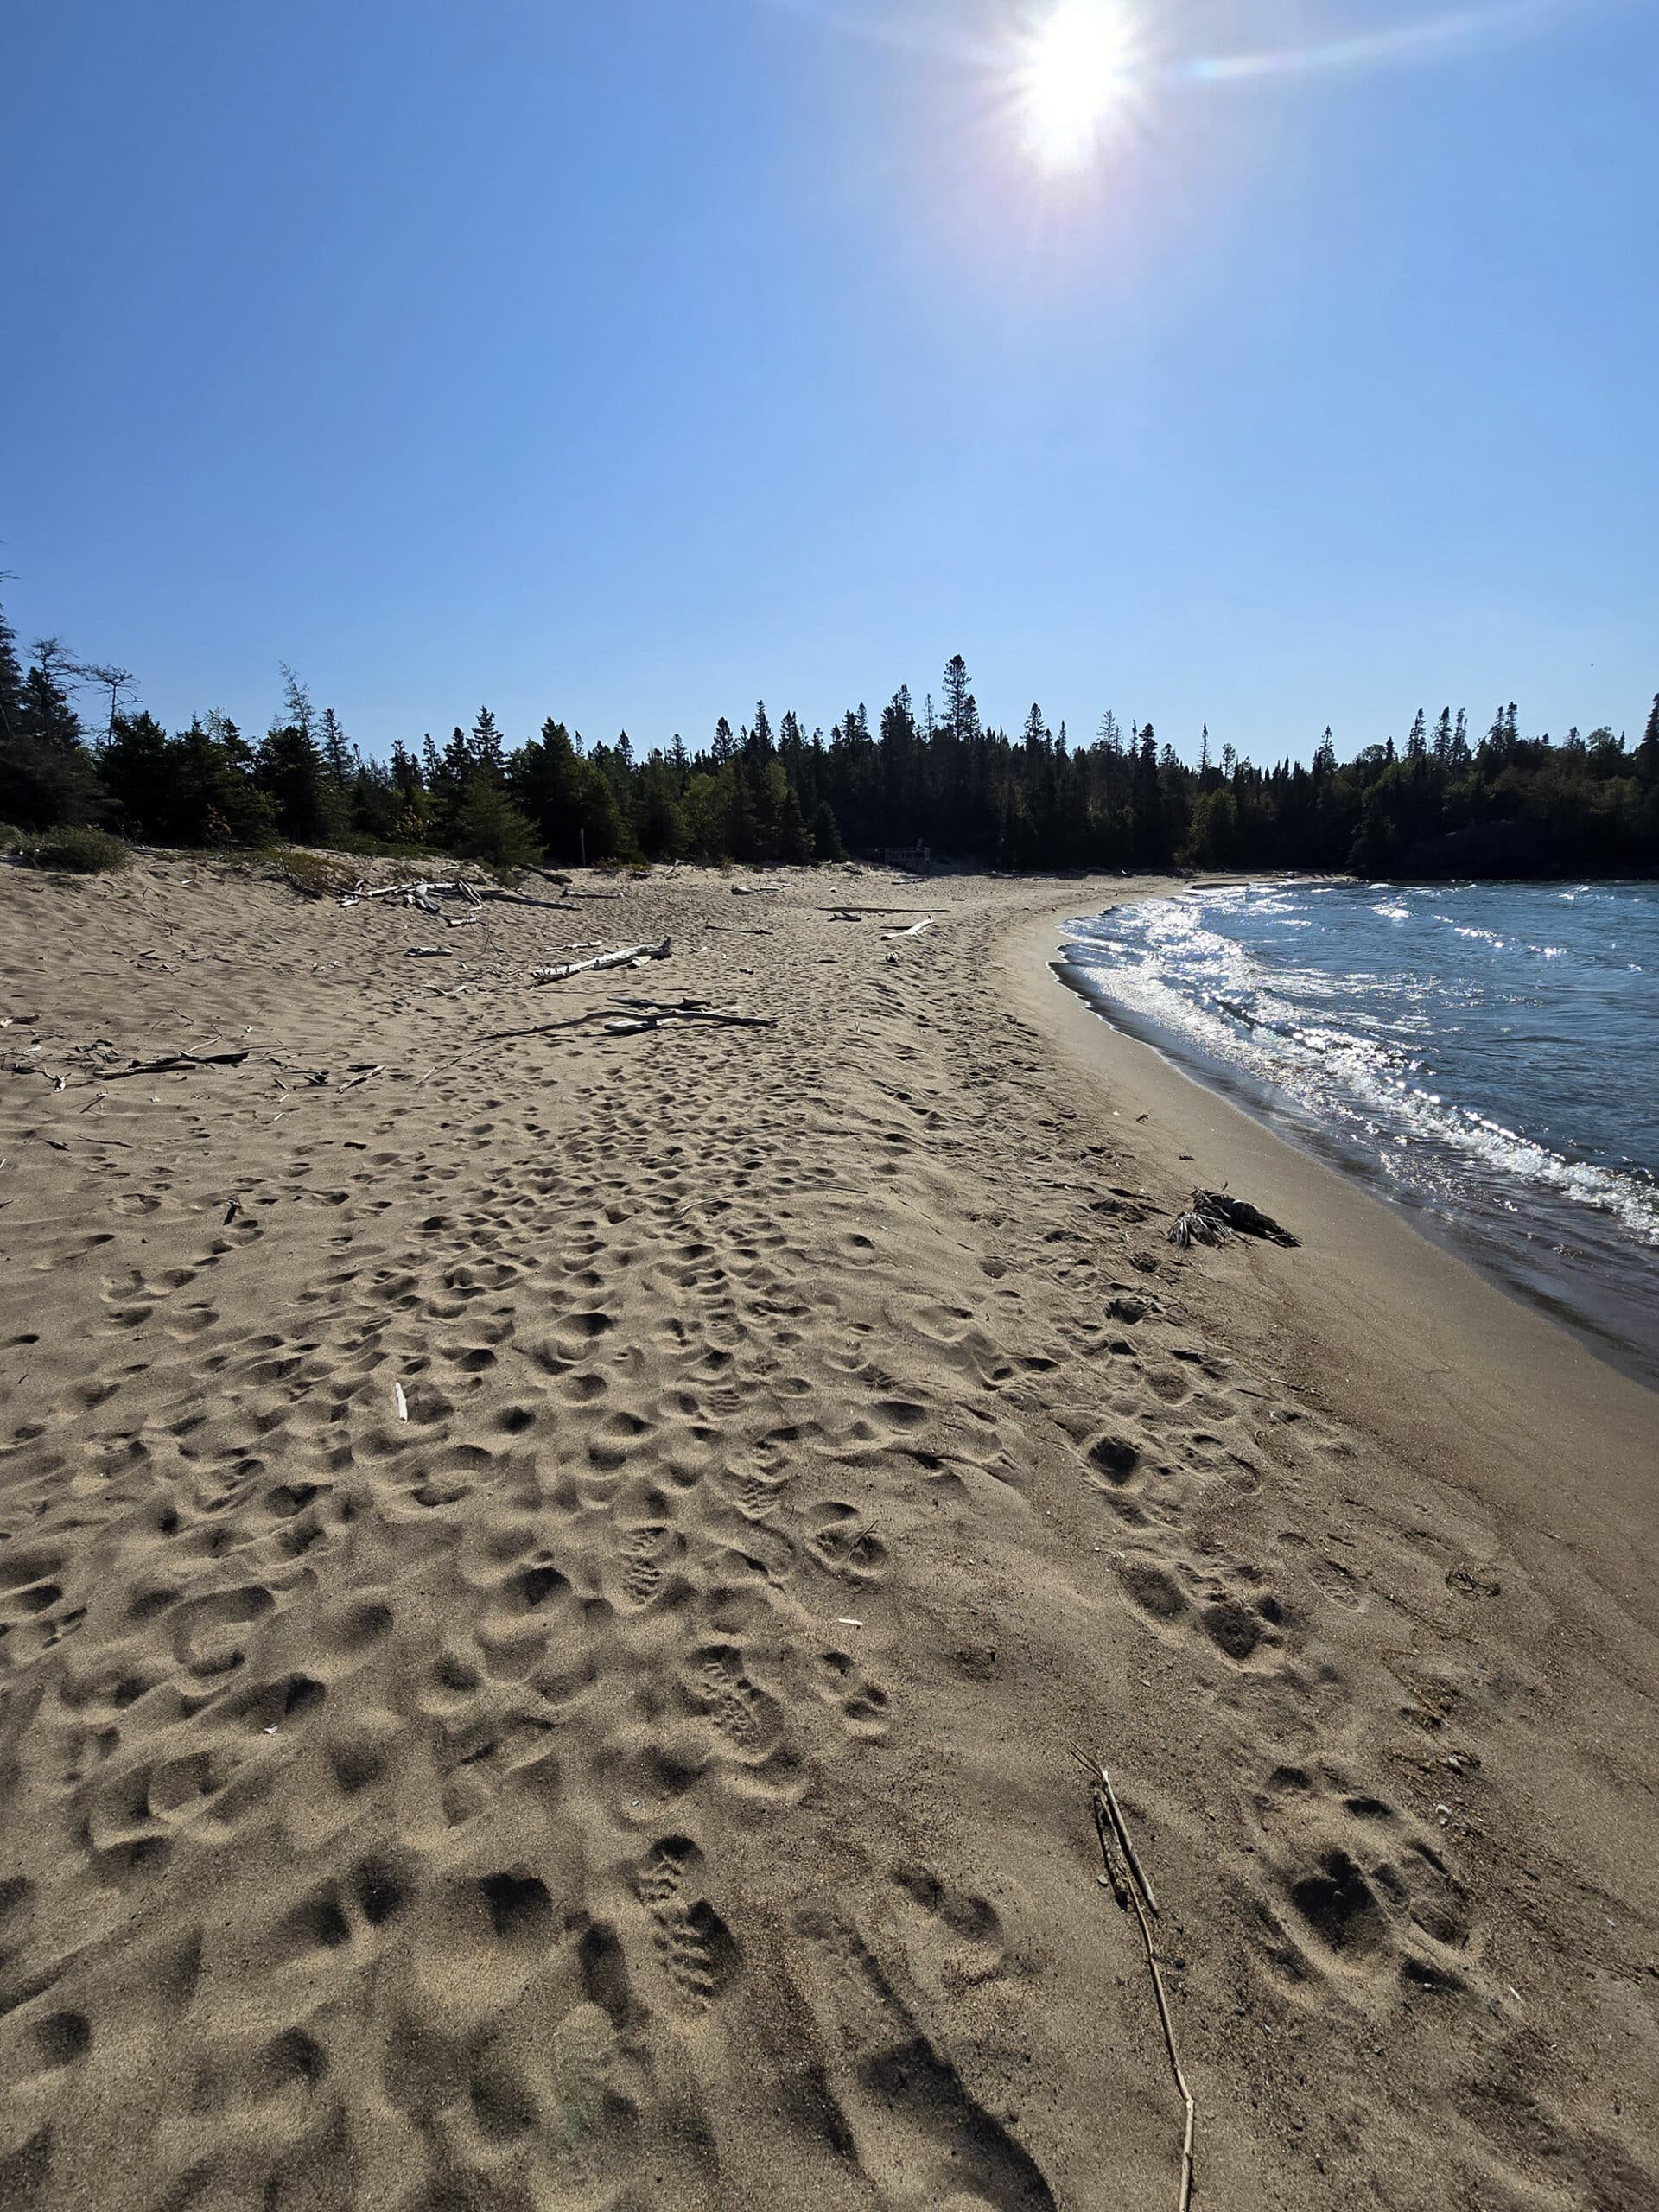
x,y
549,1585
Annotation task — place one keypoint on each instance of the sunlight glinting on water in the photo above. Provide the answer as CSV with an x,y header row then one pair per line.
x,y
1388,1036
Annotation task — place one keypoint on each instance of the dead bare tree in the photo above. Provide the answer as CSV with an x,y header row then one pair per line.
x,y
118,682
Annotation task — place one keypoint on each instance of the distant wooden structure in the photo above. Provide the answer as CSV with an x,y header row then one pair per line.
x,y
913,859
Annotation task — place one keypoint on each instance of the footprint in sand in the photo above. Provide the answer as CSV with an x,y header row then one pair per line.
x,y
693,1943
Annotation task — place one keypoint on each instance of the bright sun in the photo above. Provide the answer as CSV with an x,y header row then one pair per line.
x,y
1075,75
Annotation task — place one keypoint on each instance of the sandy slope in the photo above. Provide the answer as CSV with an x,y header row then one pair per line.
x,y
639,1777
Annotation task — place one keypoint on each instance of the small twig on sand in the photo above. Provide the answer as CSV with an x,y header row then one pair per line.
x,y
1110,1824
1121,1827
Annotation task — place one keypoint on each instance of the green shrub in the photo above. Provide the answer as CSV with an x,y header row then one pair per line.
x,y
77,852
490,828
319,875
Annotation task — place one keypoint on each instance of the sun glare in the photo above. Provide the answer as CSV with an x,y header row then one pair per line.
x,y
1074,77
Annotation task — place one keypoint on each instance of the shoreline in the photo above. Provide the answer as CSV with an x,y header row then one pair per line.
x,y
1496,1264
1399,1301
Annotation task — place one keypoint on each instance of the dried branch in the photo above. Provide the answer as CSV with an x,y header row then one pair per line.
x,y
1109,1827
172,1063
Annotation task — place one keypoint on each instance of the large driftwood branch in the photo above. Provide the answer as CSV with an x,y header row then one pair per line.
x,y
411,894
625,959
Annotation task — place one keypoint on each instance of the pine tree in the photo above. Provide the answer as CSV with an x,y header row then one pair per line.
x,y
48,715
405,770
725,745
489,827
1443,736
292,774
11,680
337,756
488,753
1146,801
826,837
1647,754
960,714
1417,743
118,682
1203,751
297,704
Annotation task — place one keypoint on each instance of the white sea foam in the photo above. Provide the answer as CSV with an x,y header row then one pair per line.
x,y
1358,1072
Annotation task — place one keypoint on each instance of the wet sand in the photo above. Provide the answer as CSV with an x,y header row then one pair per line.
x,y
547,1594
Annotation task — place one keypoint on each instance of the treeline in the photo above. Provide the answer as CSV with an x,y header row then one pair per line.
x,y
1444,804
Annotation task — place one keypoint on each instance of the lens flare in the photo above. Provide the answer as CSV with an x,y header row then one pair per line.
x,y
1075,74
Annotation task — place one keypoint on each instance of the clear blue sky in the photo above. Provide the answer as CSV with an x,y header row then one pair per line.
x,y
628,360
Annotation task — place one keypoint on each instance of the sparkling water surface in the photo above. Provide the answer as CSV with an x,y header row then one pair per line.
x,y
1485,1054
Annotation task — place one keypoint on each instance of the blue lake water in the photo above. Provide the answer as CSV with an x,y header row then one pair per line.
x,y
1484,1054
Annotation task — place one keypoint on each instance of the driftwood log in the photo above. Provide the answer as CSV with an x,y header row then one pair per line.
x,y
413,894
624,958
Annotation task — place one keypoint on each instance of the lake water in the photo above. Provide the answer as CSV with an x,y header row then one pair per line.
x,y
1486,1055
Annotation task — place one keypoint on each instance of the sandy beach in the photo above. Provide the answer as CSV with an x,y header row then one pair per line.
x,y
549,1588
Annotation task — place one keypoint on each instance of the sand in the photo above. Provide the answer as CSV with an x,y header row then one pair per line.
x,y
545,1596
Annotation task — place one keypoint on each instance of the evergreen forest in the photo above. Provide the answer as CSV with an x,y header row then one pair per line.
x,y
77,749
